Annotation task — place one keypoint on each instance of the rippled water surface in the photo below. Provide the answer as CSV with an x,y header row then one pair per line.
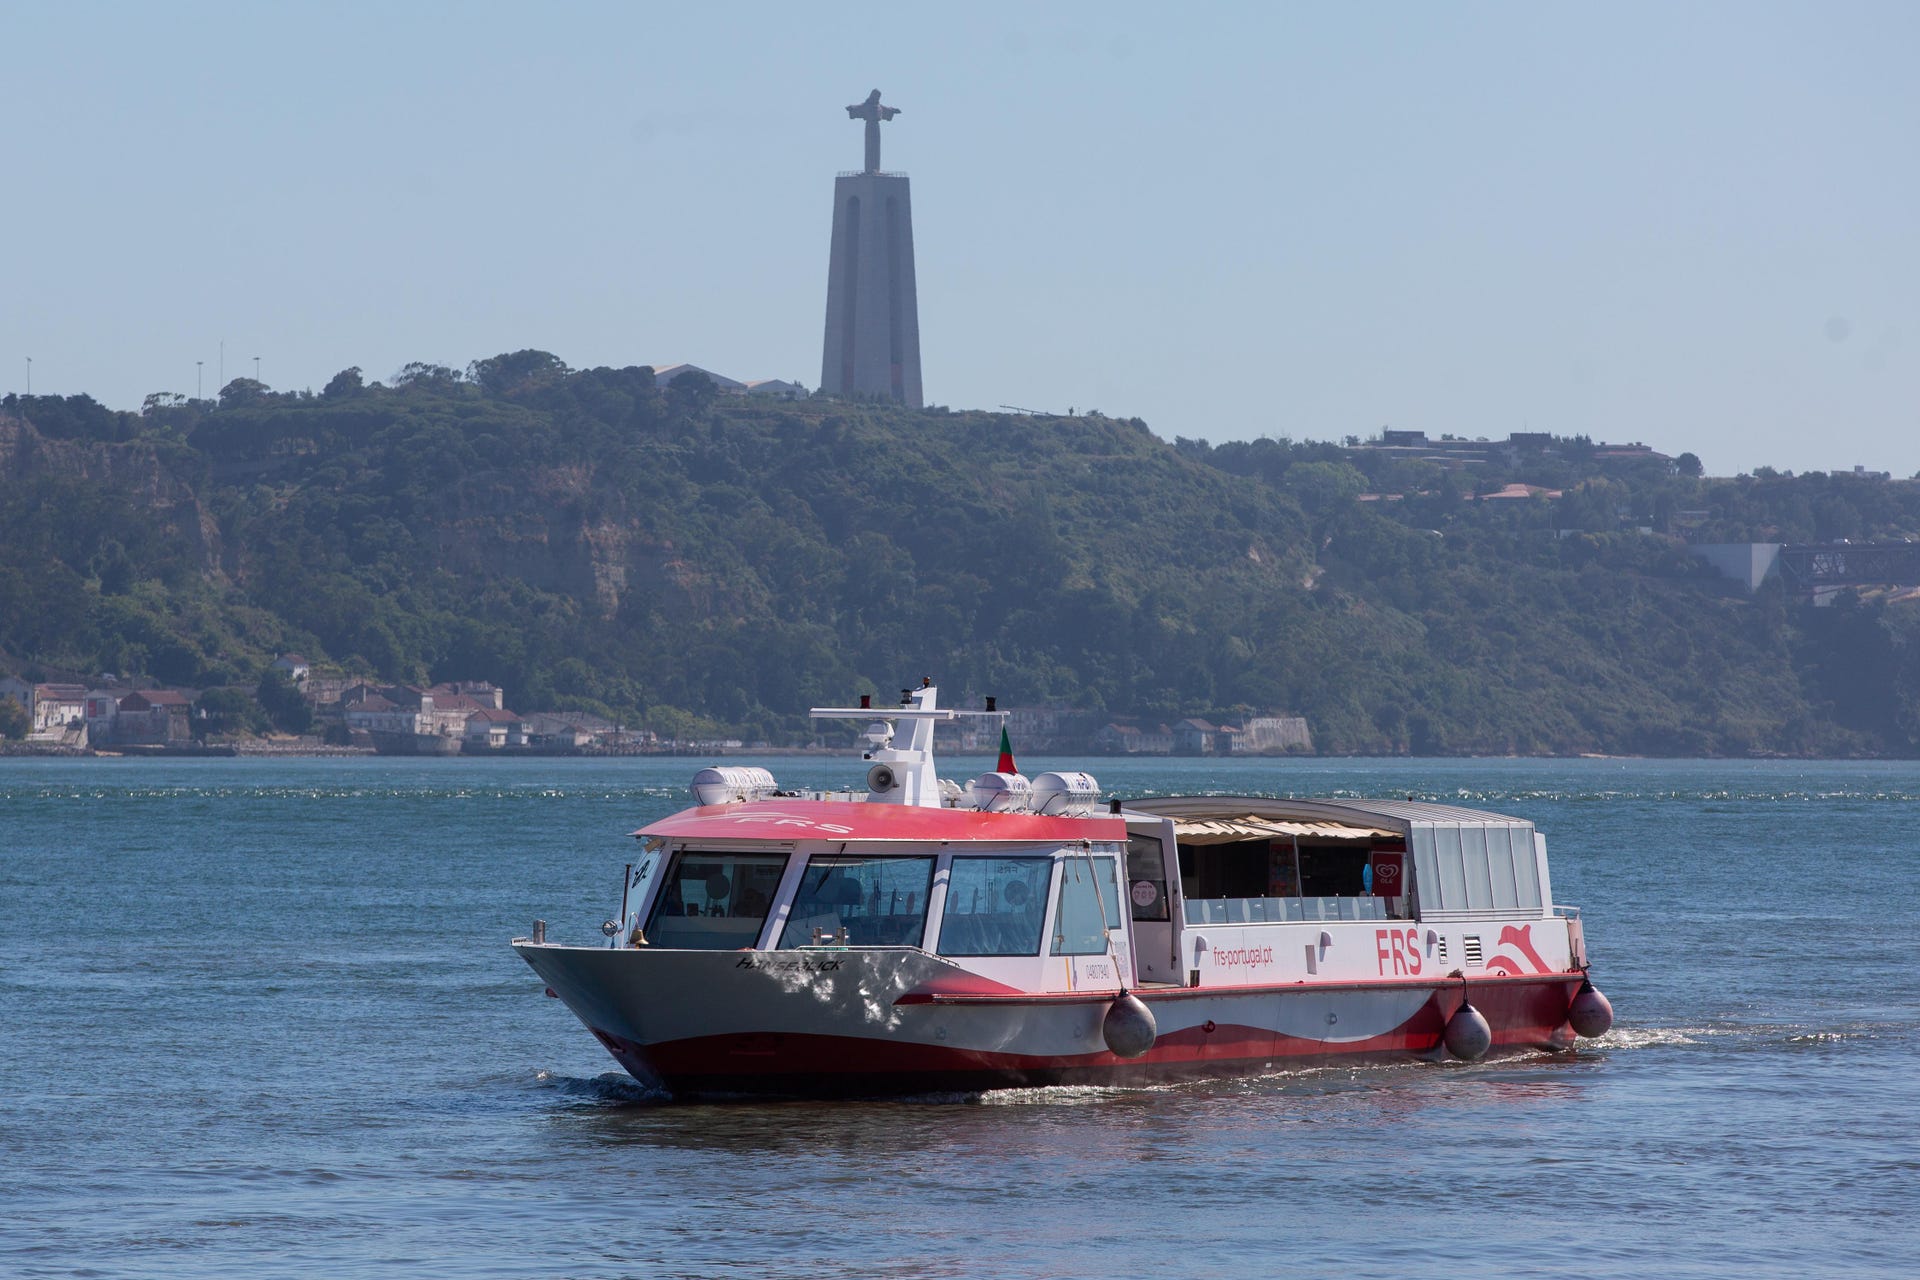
x,y
260,1019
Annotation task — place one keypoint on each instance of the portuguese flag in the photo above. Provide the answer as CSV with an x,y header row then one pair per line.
x,y
1006,764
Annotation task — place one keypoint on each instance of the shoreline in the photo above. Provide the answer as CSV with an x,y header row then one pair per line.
x,y
291,751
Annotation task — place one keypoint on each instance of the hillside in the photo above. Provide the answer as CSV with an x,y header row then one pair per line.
x,y
588,540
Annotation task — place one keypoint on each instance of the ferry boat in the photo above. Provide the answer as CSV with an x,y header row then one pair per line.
x,y
918,936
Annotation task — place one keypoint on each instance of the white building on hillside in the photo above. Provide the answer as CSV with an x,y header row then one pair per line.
x,y
57,709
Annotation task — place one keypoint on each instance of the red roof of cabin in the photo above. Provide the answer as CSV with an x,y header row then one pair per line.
x,y
786,820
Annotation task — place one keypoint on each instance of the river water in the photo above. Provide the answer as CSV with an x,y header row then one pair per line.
x,y
260,1019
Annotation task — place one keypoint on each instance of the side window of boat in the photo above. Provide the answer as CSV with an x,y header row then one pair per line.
x,y
1146,878
995,906
1089,907
715,901
880,902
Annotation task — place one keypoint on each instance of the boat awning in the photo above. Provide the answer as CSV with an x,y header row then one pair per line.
x,y
1236,830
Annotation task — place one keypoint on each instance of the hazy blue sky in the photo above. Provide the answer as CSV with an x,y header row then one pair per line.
x,y
1696,225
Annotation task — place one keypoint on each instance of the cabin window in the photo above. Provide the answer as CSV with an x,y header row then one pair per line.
x,y
995,906
1089,907
1334,871
1276,881
1146,878
715,901
1475,868
1236,870
880,902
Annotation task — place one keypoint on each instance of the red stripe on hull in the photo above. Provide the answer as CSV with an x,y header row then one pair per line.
x,y
1522,1015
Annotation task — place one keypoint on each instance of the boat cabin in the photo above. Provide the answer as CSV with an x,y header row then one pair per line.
x,y
1334,869
1035,885
1162,890
1009,896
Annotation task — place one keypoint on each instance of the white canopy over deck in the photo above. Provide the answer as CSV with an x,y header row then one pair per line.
x,y
1234,830
1465,862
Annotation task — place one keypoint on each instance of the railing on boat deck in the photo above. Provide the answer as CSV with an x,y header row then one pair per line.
x,y
1282,910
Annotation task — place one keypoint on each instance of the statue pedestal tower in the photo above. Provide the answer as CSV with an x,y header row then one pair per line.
x,y
872,345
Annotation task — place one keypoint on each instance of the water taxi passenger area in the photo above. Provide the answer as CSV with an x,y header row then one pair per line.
x,y
1277,891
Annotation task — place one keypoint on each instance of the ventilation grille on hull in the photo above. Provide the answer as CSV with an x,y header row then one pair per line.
x,y
1443,950
1474,957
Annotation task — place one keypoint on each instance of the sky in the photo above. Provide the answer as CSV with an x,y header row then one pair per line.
x,y
1696,226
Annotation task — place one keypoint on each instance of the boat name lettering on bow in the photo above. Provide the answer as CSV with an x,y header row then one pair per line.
x,y
762,965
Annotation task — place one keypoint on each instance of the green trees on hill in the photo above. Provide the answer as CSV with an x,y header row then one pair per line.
x,y
282,703
590,540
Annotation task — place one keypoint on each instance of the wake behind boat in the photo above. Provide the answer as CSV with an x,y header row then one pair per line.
x,y
915,936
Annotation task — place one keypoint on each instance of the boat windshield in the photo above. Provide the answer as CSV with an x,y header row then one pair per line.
x,y
715,901
995,906
880,902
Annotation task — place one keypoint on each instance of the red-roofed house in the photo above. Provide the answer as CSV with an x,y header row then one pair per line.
x,y
483,693
403,708
559,729
57,710
1195,737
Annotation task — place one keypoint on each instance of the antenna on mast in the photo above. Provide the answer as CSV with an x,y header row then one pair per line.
x,y
902,774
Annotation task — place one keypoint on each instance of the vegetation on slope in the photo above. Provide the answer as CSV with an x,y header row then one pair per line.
x,y
588,540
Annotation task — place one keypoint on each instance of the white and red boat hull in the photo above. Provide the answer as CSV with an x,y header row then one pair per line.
x,y
928,939
902,1021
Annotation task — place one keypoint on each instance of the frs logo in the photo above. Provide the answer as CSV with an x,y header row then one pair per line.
x,y
1398,951
783,820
